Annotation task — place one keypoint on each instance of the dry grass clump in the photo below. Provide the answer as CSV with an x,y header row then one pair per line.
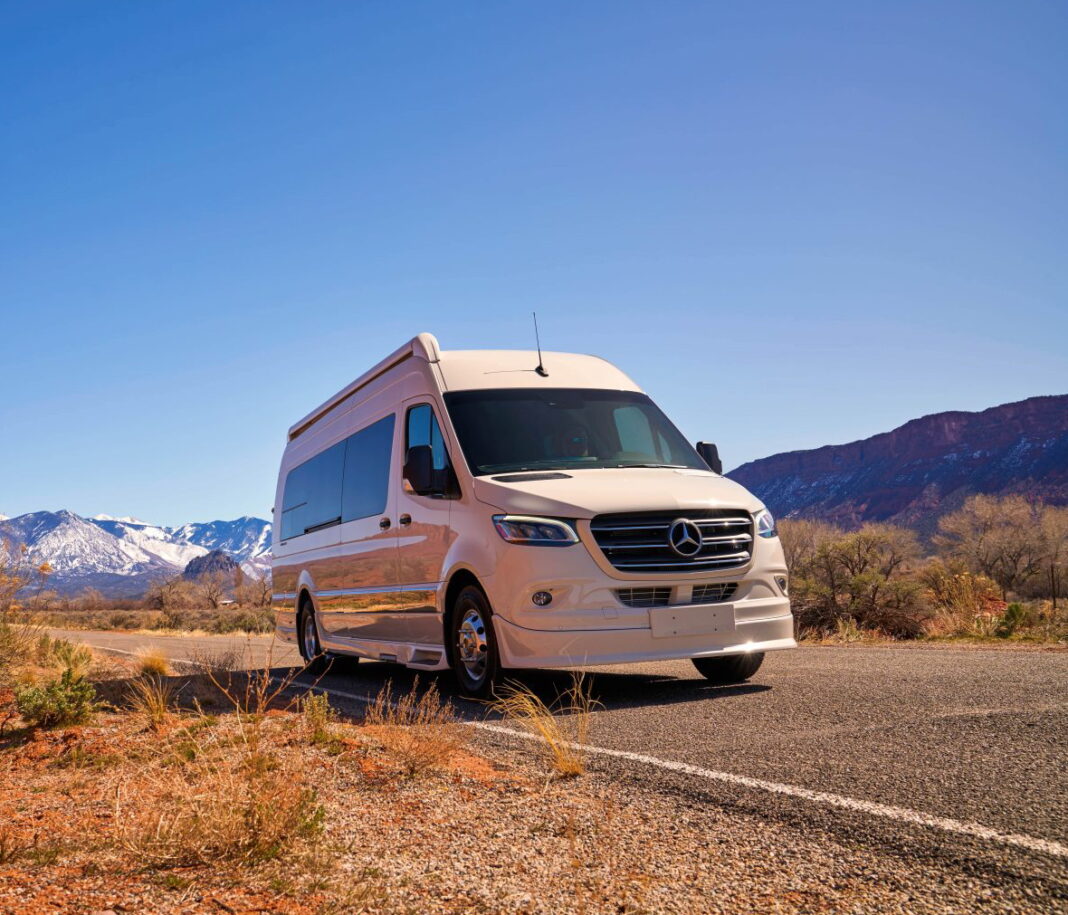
x,y
151,698
19,640
152,663
561,727
71,656
419,730
221,796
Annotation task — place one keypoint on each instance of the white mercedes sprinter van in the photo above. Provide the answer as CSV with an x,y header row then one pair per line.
x,y
488,510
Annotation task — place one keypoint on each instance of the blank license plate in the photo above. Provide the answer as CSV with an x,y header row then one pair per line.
x,y
674,621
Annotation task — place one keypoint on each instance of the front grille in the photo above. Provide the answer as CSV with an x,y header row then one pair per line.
x,y
644,597
713,594
638,542
660,596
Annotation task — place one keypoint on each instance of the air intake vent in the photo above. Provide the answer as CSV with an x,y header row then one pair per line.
x,y
644,597
675,541
713,594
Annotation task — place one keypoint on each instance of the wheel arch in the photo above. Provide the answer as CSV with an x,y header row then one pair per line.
x,y
460,579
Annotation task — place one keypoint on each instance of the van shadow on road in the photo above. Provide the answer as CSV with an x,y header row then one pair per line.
x,y
609,690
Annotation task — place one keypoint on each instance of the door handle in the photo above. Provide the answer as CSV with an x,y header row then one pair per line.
x,y
384,524
405,520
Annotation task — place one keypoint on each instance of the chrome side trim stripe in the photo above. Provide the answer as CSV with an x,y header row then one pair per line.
x,y
390,589
351,592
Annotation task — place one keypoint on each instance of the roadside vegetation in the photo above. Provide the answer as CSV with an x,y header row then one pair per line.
x,y
215,602
996,570
560,727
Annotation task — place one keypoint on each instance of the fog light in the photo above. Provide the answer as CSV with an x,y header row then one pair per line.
x,y
541,598
780,580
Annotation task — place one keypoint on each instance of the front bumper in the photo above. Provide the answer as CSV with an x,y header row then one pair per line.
x,y
521,647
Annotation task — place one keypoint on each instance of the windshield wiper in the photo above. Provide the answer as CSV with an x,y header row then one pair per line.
x,y
672,466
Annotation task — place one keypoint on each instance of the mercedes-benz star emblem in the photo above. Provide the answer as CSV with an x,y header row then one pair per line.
x,y
684,537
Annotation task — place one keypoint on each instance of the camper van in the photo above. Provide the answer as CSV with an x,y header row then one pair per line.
x,y
492,510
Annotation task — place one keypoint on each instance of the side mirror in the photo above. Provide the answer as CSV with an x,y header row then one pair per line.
x,y
710,455
419,470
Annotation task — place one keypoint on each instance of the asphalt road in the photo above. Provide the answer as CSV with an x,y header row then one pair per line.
x,y
954,756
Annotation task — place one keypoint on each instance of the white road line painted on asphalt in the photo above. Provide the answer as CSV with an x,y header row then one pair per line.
x,y
886,811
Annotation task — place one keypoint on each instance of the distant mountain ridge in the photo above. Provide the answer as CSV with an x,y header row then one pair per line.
x,y
214,563
923,469
120,556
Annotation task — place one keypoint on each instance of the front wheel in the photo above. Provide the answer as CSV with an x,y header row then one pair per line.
x,y
735,668
473,643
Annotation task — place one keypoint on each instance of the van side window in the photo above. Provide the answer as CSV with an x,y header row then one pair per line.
x,y
312,496
423,429
367,470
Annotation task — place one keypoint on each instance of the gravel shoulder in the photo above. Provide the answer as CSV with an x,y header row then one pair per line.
x,y
975,735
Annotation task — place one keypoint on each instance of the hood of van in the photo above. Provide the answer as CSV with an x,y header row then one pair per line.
x,y
586,493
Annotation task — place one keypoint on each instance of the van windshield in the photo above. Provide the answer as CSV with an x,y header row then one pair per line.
x,y
564,429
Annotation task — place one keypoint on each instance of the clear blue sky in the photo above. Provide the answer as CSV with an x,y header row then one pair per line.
x,y
793,224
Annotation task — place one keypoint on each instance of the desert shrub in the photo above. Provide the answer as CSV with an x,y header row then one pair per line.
x,y
215,661
419,730
171,618
66,701
318,719
561,727
861,576
965,603
243,621
217,798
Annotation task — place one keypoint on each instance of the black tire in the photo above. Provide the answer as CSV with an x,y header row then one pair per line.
x,y
473,653
308,637
735,668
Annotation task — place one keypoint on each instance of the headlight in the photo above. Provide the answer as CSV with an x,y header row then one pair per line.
x,y
765,524
534,531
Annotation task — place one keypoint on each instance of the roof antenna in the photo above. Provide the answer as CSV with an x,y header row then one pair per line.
x,y
541,368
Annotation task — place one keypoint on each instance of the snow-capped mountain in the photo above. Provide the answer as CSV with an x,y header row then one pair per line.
x,y
156,542
120,556
246,539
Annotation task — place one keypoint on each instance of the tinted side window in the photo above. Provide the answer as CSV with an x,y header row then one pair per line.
x,y
423,429
367,470
312,497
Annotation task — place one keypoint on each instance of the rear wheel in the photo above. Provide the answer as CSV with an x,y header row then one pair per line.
x,y
735,668
473,644
308,636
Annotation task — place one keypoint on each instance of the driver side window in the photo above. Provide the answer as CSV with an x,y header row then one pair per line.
x,y
423,429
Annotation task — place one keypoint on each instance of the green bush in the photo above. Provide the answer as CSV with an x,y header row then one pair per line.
x,y
66,701
1015,616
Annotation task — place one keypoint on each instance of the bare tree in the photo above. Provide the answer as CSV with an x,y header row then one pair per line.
x,y
1054,527
253,591
997,537
801,541
91,599
168,594
210,588
18,576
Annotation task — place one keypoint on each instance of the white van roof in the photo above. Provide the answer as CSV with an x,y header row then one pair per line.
x,y
462,370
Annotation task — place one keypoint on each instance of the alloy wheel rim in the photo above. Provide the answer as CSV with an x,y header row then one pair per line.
x,y
309,636
471,644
